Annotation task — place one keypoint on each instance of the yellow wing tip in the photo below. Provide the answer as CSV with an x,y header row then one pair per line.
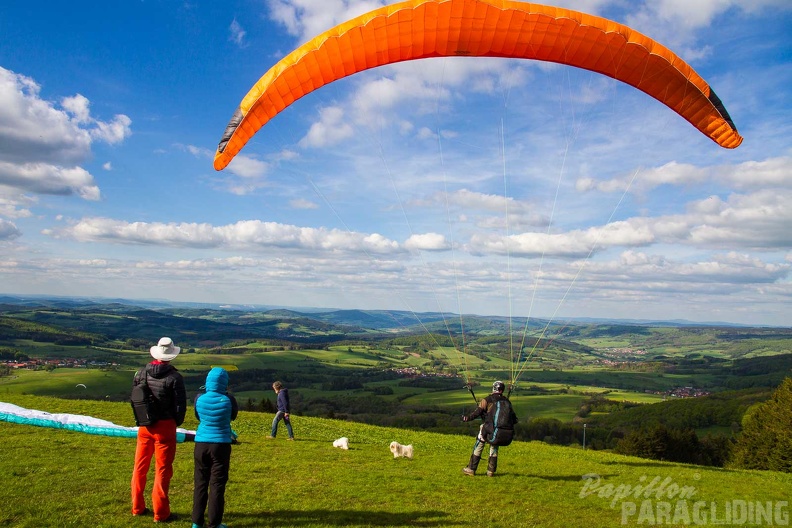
x,y
221,161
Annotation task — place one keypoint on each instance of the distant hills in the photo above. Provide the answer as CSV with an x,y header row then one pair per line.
x,y
372,320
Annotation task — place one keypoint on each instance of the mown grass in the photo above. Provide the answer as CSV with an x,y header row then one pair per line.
x,y
61,478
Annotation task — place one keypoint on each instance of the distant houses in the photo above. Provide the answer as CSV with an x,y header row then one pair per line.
x,y
38,364
413,372
686,392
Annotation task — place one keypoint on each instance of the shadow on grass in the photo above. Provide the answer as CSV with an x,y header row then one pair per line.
x,y
282,518
649,463
567,478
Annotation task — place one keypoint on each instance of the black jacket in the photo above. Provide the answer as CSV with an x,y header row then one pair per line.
x,y
485,408
495,434
167,385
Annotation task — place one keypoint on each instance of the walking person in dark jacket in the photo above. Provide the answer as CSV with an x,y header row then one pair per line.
x,y
159,438
214,409
283,410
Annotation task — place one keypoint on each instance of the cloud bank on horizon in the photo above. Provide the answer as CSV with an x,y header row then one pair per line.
x,y
462,185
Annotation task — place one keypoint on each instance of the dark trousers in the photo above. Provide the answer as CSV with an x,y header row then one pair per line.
x,y
210,477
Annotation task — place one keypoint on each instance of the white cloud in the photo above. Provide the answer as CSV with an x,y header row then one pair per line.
x,y
703,12
248,175
248,168
42,178
487,211
675,22
576,243
758,221
8,230
78,106
302,203
249,234
329,130
33,130
287,154
198,152
237,34
475,200
307,18
427,242
112,132
41,145
772,172
15,205
730,268
426,133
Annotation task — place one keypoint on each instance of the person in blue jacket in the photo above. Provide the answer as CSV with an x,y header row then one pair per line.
x,y
283,411
214,409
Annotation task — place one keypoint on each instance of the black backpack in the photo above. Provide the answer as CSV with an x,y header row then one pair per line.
x,y
502,425
145,406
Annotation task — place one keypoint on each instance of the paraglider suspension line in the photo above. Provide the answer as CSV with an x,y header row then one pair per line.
x,y
469,387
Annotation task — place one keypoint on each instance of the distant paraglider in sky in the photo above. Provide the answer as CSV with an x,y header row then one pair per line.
x,y
418,29
80,385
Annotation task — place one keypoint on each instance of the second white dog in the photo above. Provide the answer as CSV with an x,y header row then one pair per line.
x,y
342,443
399,450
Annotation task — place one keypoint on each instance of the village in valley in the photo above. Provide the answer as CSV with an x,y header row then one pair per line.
x,y
49,364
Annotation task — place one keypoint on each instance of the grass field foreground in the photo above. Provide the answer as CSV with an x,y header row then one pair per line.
x,y
62,478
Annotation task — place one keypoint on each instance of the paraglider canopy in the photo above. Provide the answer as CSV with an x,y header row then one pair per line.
x,y
418,29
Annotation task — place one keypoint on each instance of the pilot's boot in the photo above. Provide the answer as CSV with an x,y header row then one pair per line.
x,y
472,466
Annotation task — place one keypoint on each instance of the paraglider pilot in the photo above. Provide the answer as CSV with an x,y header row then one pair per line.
x,y
497,429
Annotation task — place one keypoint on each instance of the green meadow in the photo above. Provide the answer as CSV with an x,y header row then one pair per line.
x,y
561,401
61,478
541,392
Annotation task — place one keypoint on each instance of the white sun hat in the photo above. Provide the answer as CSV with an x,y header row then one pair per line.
x,y
165,350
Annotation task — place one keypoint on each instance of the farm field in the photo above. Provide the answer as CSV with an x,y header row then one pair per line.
x,y
561,403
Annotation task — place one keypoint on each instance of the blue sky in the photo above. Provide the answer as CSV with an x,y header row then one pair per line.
x,y
483,186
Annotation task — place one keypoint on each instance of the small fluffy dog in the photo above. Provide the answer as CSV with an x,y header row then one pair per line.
x,y
341,443
399,450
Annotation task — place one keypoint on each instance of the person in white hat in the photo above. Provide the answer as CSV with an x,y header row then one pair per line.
x,y
159,438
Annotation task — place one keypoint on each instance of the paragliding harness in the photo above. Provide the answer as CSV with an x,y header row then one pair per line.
x,y
503,420
499,421
144,404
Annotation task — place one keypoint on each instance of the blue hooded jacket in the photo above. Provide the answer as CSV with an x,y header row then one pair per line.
x,y
215,409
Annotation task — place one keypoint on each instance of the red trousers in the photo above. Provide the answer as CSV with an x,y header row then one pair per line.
x,y
158,440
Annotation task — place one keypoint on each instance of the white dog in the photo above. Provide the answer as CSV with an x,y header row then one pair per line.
x,y
399,450
342,443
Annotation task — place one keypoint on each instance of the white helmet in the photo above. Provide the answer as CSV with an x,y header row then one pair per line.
x,y
498,386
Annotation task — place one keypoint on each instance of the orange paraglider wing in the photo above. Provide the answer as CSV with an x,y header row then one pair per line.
x,y
418,29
